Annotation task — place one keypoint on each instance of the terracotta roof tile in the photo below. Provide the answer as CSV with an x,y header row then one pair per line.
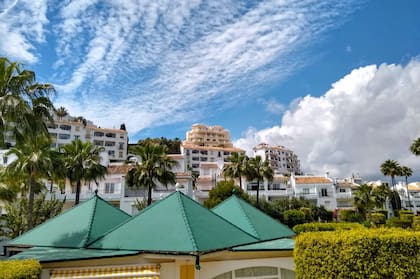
x,y
119,169
312,180
198,147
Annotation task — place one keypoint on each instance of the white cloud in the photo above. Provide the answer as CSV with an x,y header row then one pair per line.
x,y
367,117
165,56
22,23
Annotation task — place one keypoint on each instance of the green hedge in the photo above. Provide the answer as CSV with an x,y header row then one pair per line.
x,y
20,269
349,215
364,253
319,227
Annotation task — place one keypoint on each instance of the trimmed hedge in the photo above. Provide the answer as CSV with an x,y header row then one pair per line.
x,y
364,253
319,227
20,269
349,215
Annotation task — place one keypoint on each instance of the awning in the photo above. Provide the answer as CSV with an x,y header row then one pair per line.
x,y
131,272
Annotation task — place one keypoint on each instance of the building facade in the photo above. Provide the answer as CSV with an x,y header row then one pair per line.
x,y
204,135
66,129
282,160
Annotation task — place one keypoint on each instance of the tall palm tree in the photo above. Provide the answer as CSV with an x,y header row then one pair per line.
x,y
155,166
382,193
61,112
82,163
33,162
391,168
24,104
364,199
259,170
406,172
236,168
415,147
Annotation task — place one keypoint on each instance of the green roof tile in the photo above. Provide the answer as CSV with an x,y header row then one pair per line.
x,y
251,219
176,224
76,227
271,245
50,254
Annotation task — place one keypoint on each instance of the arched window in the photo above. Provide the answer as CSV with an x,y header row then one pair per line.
x,y
258,272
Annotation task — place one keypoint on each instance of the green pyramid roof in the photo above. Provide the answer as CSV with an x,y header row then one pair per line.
x,y
270,245
176,224
76,227
251,219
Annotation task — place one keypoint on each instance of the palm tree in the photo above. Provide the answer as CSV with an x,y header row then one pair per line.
x,y
364,199
406,172
381,194
391,168
24,104
33,162
236,168
82,163
155,166
415,147
61,112
259,169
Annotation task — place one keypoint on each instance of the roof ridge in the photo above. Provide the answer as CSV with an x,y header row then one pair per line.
x,y
215,214
185,217
91,220
247,218
125,222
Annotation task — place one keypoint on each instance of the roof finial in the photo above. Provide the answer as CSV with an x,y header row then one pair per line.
x,y
96,191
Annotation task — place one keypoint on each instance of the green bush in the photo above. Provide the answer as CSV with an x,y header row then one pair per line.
x,y
365,253
396,222
20,269
416,223
294,217
383,211
349,215
376,219
319,227
406,215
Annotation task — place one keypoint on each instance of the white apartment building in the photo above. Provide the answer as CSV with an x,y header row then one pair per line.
x,y
282,160
68,128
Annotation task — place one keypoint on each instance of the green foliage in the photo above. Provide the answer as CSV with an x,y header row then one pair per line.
x,y
222,191
396,222
140,204
358,253
416,223
349,215
319,227
20,269
16,220
382,211
406,215
172,145
376,219
294,217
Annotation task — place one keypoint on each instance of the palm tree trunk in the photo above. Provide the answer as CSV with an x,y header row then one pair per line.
x,y
408,193
240,182
78,186
149,195
258,191
31,203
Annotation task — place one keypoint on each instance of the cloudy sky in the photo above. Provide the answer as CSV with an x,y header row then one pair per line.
x,y
336,81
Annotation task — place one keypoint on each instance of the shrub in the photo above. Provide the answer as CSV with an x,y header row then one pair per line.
x,y
376,219
399,223
20,269
406,215
416,223
319,227
349,215
294,217
373,253
383,211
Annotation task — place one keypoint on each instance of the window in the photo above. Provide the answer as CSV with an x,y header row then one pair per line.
x,y
110,135
305,191
257,272
324,192
109,143
52,126
5,159
77,128
195,158
111,153
342,190
120,154
121,146
65,127
109,188
76,137
98,143
64,136
121,136
203,159
98,134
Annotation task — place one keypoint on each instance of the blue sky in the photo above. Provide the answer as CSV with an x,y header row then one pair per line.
x,y
273,71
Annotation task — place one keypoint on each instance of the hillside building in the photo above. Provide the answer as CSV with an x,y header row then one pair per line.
x,y
282,160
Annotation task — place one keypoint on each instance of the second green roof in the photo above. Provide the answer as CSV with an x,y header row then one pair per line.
x,y
251,219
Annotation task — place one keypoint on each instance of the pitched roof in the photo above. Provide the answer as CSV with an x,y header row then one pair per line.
x,y
76,227
271,245
119,169
251,219
312,180
176,224
52,254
